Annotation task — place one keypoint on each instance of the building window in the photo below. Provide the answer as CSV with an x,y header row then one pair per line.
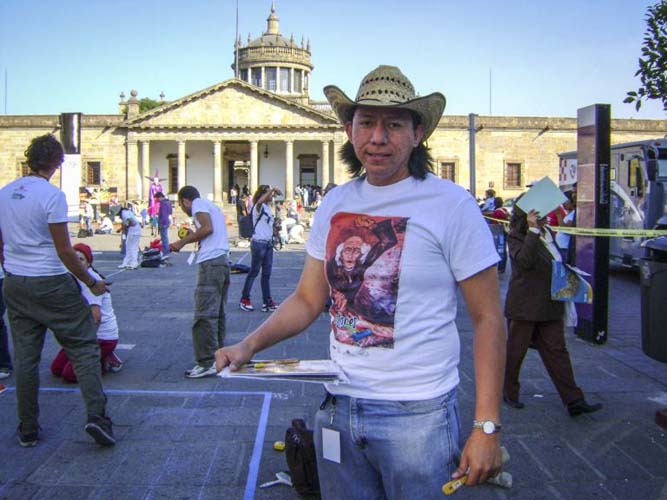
x,y
270,75
243,75
448,170
256,76
25,169
298,75
93,173
513,175
284,80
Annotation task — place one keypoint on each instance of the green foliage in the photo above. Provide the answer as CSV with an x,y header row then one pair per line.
x,y
653,62
147,104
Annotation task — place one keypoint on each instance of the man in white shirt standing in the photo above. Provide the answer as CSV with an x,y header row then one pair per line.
x,y
208,329
36,254
390,248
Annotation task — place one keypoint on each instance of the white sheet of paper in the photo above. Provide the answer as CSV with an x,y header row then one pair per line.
x,y
191,259
331,445
543,197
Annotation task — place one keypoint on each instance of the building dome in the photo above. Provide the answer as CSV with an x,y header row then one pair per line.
x,y
274,62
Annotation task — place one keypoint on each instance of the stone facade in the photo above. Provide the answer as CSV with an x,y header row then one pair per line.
x,y
235,132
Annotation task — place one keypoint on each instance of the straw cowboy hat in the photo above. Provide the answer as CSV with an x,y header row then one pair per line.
x,y
387,87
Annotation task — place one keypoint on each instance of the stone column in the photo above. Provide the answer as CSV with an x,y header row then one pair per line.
x,y
133,173
253,182
325,164
291,80
145,168
181,164
218,151
263,82
339,168
289,169
249,75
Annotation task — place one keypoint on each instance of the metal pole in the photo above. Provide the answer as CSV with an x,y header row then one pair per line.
x,y
236,43
472,126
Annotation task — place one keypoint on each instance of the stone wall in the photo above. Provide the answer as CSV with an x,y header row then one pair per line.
x,y
532,141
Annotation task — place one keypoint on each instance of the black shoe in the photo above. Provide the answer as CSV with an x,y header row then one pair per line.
x,y
100,429
514,404
580,406
27,439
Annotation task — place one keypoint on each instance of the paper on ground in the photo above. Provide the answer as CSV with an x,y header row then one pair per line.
x,y
543,197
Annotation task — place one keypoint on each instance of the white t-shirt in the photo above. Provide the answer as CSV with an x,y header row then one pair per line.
x,y
217,243
263,222
135,228
108,329
27,206
393,256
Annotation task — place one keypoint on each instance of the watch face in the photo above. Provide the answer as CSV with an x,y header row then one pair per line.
x,y
488,427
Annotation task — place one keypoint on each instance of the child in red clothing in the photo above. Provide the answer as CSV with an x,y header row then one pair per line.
x,y
105,319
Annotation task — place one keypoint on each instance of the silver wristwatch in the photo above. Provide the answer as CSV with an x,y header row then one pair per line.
x,y
487,426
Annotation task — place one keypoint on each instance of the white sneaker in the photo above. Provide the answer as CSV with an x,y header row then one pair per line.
x,y
122,266
200,372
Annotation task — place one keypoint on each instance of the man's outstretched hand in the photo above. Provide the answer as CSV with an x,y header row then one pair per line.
x,y
233,356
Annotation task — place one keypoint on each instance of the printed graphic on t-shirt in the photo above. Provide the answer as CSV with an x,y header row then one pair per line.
x,y
17,194
363,257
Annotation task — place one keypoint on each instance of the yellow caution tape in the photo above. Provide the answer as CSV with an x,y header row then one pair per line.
x,y
602,232
611,232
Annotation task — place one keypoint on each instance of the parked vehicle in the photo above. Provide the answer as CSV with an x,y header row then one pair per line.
x,y
638,177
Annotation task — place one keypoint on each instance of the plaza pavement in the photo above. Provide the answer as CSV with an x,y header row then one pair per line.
x,y
212,438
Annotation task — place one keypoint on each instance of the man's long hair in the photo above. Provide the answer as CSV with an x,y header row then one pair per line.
x,y
420,163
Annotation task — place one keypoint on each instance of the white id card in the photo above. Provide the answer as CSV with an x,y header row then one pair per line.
x,y
331,445
191,259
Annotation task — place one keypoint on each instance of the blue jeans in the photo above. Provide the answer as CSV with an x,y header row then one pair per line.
x,y
262,257
5,358
164,236
389,449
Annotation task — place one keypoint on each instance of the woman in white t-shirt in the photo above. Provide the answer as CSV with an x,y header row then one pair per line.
x,y
105,319
132,232
261,249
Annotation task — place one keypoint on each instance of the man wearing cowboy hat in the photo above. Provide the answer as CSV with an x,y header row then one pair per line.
x,y
391,431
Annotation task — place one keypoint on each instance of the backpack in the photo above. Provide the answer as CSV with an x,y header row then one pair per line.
x,y
151,258
301,458
246,227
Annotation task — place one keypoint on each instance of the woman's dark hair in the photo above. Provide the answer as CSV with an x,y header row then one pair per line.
x,y
263,188
420,162
44,152
518,221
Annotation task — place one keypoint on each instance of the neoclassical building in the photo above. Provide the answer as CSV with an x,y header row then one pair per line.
x,y
262,127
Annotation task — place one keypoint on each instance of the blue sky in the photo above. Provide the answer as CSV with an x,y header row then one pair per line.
x,y
546,58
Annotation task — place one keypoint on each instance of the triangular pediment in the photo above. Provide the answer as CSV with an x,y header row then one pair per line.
x,y
232,103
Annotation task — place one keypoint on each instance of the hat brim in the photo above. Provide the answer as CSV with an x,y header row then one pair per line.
x,y
429,108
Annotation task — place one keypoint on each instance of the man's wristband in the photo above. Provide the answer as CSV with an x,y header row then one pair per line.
x,y
92,285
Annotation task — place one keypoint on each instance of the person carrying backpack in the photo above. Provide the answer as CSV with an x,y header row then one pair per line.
x,y
261,249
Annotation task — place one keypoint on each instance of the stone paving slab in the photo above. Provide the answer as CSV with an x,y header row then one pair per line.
x,y
212,438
